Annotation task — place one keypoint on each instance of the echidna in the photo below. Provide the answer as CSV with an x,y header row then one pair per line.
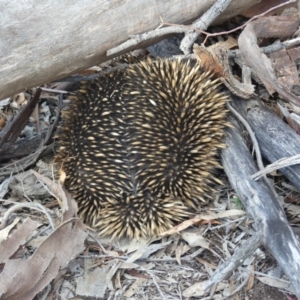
x,y
139,146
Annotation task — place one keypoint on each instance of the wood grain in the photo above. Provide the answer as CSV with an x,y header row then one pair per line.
x,y
41,41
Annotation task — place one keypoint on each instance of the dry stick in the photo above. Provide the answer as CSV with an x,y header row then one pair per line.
x,y
206,19
246,250
239,220
137,39
167,259
271,277
12,130
281,163
239,287
277,46
154,281
4,187
32,205
36,235
98,243
281,45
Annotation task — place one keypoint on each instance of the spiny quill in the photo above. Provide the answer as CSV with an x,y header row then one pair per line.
x,y
139,146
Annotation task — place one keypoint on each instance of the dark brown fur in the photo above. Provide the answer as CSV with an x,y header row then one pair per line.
x,y
139,146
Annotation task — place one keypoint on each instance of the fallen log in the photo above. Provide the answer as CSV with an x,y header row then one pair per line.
x,y
41,41
275,138
270,221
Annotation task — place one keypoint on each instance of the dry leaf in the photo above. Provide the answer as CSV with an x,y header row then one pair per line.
x,y
9,246
198,218
44,265
251,279
195,239
204,262
2,122
115,265
135,287
275,282
208,60
196,290
4,102
93,283
181,250
293,209
49,258
26,183
253,57
128,265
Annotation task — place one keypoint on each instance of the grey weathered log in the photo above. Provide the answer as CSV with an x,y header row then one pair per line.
x,y
270,220
275,138
41,41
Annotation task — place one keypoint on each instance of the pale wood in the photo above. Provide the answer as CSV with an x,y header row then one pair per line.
x,y
42,41
275,138
270,221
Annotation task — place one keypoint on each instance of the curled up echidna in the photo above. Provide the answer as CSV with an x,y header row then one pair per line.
x,y
139,146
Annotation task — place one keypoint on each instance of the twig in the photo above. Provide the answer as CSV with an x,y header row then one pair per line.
x,y
239,287
234,261
195,29
239,221
281,163
251,133
252,19
154,281
98,243
43,185
53,91
277,46
168,259
184,258
4,186
137,39
270,276
36,235
32,205
281,45
202,23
